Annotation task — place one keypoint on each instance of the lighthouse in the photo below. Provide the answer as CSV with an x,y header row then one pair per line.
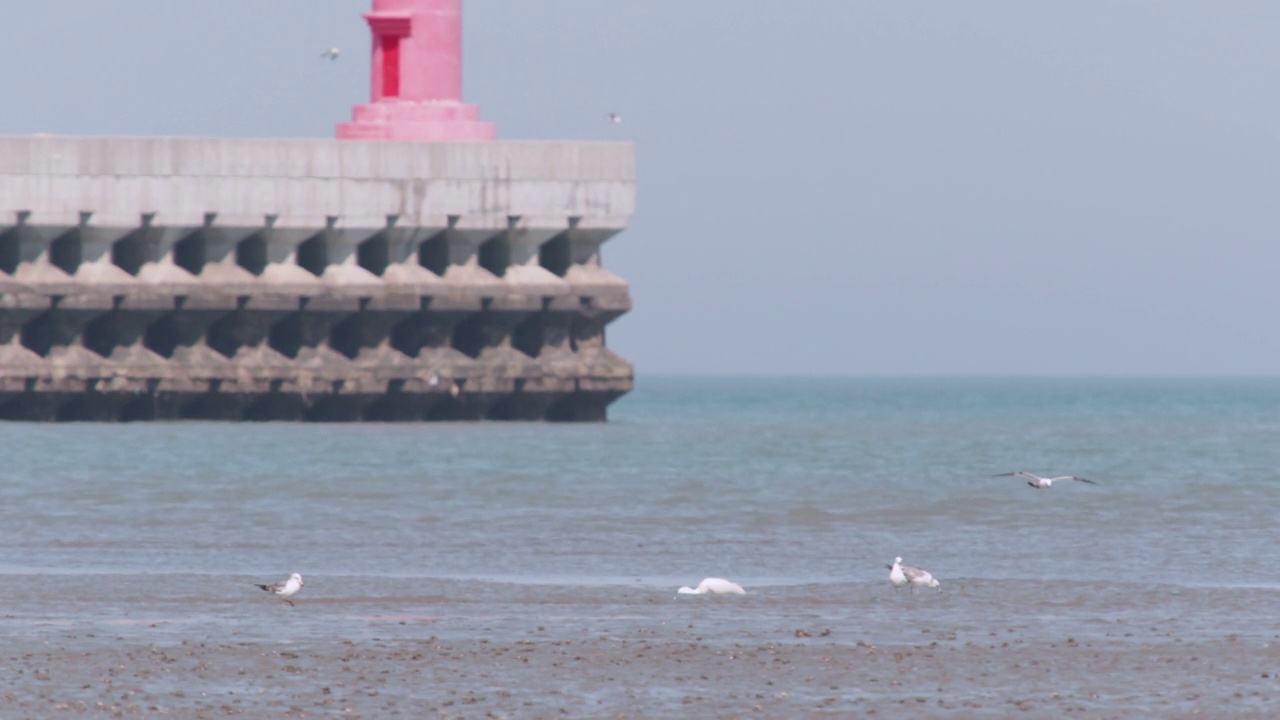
x,y
415,77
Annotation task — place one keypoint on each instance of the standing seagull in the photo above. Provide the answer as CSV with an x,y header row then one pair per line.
x,y
1043,483
900,575
285,589
714,586
614,118
331,54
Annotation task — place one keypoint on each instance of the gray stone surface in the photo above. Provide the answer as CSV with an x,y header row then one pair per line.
x,y
150,278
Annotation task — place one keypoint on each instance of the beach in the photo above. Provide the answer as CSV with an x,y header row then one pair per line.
x,y
529,570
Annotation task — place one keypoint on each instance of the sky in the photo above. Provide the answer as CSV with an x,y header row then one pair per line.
x,y
826,187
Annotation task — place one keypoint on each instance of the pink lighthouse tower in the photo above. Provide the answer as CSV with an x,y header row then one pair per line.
x,y
416,77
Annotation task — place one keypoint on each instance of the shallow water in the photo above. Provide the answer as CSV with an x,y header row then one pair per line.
x,y
531,568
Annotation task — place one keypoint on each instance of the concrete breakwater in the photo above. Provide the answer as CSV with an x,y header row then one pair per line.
x,y
157,278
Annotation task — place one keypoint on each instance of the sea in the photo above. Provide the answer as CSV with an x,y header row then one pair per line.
x,y
437,555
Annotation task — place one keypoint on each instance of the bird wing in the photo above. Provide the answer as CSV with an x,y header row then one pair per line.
x,y
1022,473
1073,477
914,573
716,584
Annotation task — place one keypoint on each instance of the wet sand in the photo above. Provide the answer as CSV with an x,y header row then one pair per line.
x,y
643,669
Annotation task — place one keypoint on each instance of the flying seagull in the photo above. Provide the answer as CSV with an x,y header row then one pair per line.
x,y
713,586
614,118
286,588
331,54
900,575
1043,483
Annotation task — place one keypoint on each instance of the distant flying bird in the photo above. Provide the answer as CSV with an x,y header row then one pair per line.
x,y
713,586
900,575
331,54
614,118
1043,483
285,589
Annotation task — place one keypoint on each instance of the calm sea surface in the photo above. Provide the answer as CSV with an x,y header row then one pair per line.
x,y
799,489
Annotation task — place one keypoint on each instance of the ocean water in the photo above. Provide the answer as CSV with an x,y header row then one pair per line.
x,y
144,538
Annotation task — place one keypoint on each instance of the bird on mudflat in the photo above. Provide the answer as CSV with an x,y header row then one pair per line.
x,y
713,586
285,588
900,575
1043,483
331,54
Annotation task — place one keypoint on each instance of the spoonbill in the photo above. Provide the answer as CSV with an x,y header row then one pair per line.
x,y
713,586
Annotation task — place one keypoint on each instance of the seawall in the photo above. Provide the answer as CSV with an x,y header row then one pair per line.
x,y
160,278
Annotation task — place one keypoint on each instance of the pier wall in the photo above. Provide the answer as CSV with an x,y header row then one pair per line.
x,y
153,278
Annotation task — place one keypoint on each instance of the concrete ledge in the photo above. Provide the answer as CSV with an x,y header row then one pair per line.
x,y
287,405
265,159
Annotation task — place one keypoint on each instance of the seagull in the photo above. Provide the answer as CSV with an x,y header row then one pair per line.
x,y
1043,483
285,589
714,586
614,118
900,575
331,54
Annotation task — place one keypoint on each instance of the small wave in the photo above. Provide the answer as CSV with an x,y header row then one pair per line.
x,y
812,516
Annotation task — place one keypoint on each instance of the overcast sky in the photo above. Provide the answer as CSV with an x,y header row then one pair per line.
x,y
825,186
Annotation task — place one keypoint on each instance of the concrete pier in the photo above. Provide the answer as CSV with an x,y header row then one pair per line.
x,y
413,269
150,278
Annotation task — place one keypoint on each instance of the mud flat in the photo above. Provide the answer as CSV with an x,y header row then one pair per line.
x,y
414,666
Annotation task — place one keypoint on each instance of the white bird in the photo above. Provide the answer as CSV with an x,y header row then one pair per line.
x,y
285,589
614,118
714,586
895,573
331,54
900,575
1043,483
